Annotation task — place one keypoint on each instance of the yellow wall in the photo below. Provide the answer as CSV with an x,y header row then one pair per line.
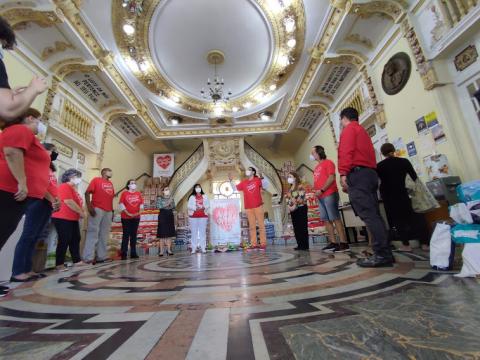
x,y
20,75
410,104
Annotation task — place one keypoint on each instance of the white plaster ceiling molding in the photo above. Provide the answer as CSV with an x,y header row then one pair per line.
x,y
261,40
129,126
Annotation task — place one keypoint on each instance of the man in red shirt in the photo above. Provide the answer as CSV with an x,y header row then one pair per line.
x,y
326,190
357,167
100,208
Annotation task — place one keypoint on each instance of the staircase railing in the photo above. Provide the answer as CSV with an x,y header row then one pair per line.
x,y
136,179
186,168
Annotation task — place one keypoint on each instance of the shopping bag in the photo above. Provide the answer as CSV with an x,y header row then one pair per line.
x,y
469,191
471,261
460,214
441,247
422,199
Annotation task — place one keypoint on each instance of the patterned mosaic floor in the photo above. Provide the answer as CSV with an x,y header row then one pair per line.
x,y
278,304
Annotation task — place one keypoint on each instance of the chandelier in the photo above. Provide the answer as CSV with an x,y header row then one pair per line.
x,y
133,6
214,90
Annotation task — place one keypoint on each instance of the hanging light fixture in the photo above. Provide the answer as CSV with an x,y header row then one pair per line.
x,y
214,90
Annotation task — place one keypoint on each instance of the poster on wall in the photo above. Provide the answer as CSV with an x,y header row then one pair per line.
x,y
401,149
411,148
163,165
437,166
225,221
431,119
421,125
438,134
426,144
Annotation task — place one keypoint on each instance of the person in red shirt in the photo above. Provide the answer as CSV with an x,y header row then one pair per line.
x,y
357,166
198,206
66,219
37,217
130,205
326,190
100,208
24,170
252,198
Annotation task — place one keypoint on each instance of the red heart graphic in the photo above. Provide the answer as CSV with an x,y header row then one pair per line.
x,y
225,217
164,161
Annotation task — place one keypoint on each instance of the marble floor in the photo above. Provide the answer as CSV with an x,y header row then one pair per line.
x,y
278,304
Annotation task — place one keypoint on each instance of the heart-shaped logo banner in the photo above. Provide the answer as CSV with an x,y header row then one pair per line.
x,y
225,217
164,161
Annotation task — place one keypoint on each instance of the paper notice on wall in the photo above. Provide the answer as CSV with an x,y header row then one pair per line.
x,y
431,119
401,149
438,134
421,125
436,166
412,149
426,145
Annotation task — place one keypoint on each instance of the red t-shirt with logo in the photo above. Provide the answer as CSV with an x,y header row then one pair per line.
x,y
52,184
252,192
35,157
102,193
67,192
321,173
199,204
132,202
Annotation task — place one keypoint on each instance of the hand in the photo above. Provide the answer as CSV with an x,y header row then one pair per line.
x,y
56,204
318,193
83,214
343,182
261,176
38,84
21,193
91,211
230,177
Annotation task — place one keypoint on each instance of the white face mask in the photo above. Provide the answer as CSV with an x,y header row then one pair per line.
x,y
166,192
41,128
291,180
248,172
132,186
198,190
312,158
76,181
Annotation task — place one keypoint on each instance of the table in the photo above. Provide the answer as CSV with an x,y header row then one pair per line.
x,y
351,221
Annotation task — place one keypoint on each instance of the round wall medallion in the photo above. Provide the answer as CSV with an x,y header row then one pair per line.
x,y
396,73
215,57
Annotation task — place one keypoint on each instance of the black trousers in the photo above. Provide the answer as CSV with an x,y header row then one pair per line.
x,y
413,226
11,212
362,191
68,238
130,227
300,226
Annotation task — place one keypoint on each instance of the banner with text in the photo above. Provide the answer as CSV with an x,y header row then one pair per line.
x,y
225,221
163,165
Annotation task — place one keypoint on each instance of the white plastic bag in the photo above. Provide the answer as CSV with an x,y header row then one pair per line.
x,y
440,246
460,214
471,260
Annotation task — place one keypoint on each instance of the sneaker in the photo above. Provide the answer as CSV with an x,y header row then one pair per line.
x,y
329,248
340,248
262,247
3,293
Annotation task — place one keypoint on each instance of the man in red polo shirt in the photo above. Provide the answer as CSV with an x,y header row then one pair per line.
x,y
100,208
357,168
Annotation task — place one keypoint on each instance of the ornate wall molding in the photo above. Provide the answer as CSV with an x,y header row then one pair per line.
x,y
59,46
52,91
19,18
101,153
389,8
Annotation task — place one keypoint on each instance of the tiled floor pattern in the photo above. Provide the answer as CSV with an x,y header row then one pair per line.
x,y
278,304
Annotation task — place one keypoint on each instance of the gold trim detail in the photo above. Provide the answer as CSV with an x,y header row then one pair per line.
x,y
390,8
19,18
58,47
157,84
215,57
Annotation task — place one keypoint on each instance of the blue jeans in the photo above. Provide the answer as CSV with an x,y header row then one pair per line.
x,y
328,207
36,218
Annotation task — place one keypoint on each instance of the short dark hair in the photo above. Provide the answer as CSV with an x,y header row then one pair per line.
x,y
30,112
128,183
387,148
320,151
104,170
68,174
50,147
7,34
254,170
350,113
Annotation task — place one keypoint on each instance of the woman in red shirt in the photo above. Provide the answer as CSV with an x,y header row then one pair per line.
x,y
198,206
24,170
37,217
66,220
252,198
130,205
